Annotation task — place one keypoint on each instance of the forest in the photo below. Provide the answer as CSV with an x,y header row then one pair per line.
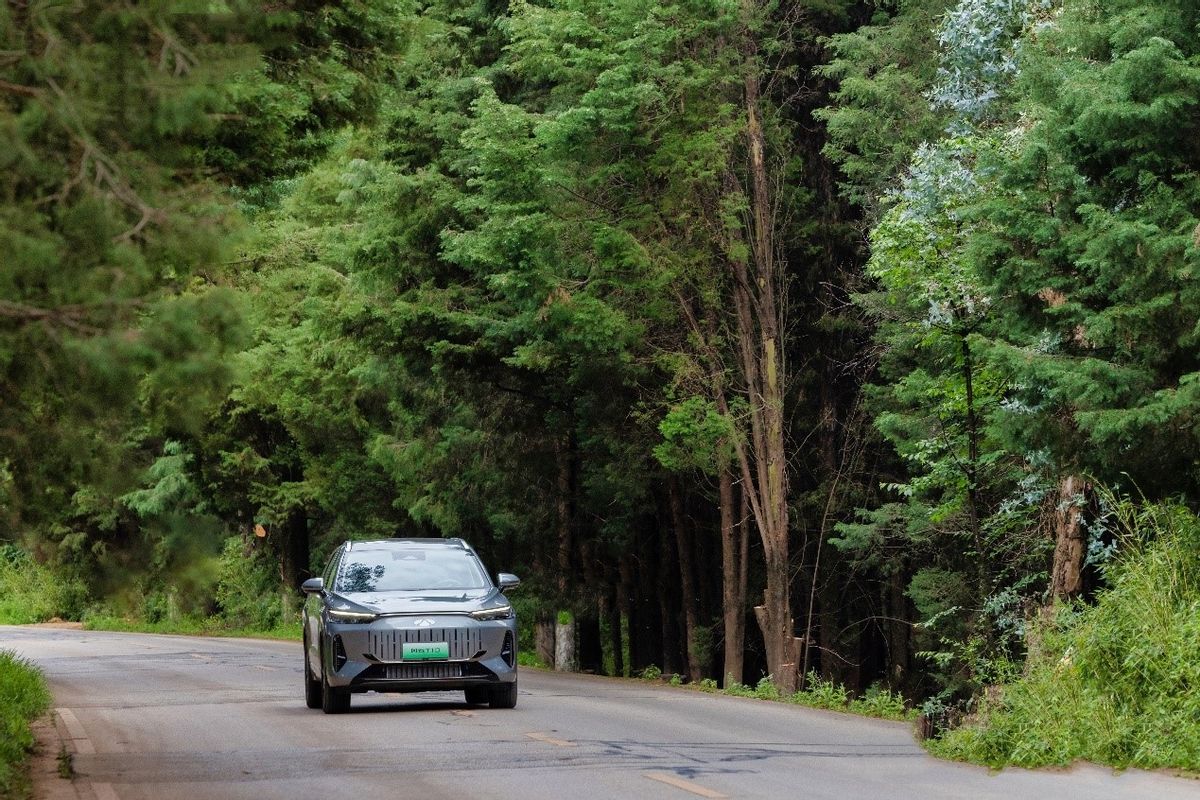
x,y
781,341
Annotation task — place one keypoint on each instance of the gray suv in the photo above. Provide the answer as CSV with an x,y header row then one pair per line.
x,y
408,615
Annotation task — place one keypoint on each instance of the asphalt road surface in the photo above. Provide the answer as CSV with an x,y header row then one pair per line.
x,y
159,717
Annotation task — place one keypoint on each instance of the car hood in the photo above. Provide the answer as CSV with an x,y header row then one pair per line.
x,y
426,601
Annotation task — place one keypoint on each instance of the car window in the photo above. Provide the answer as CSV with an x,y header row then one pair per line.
x,y
410,569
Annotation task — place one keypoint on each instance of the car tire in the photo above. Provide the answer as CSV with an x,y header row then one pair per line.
x,y
477,695
312,686
333,701
504,696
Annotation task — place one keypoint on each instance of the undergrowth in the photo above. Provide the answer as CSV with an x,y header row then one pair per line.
x,y
191,626
32,592
1115,682
818,693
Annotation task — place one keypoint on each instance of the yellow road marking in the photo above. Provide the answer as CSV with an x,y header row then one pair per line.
x,y
462,712
683,783
542,737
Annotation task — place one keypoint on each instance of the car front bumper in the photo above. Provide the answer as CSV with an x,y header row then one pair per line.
x,y
371,656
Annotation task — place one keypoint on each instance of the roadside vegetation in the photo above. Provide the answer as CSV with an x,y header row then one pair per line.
x,y
23,698
191,626
876,701
1112,682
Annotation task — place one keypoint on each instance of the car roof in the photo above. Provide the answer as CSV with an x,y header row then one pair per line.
x,y
423,544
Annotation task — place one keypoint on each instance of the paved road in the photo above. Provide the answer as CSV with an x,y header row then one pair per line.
x,y
155,717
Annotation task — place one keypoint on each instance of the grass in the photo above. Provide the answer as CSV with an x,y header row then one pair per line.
x,y
1116,682
191,626
23,698
818,693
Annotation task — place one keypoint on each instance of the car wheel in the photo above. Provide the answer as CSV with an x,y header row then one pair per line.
x,y
504,696
477,695
312,686
333,701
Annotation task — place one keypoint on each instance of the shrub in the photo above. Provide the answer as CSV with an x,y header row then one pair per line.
x,y
1114,682
880,702
248,589
822,694
33,592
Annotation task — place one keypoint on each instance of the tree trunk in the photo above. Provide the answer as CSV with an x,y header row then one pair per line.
x,y
564,626
543,639
564,643
897,631
1070,539
591,643
666,590
629,610
293,561
733,596
615,639
683,544
972,468
649,608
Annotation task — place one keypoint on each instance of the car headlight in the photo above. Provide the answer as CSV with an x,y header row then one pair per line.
x,y
499,612
347,614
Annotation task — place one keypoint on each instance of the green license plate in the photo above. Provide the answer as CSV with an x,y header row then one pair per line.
x,y
425,651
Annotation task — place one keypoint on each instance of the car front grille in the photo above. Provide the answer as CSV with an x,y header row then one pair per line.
x,y
465,643
419,672
416,672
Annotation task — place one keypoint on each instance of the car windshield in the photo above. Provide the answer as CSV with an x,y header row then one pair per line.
x,y
410,569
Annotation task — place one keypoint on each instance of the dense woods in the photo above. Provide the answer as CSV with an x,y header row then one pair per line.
x,y
760,338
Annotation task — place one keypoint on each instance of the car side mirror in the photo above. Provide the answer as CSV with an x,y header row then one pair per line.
x,y
313,586
506,580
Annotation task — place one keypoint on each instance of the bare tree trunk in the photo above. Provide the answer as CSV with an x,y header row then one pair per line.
x,y
543,639
668,613
898,631
565,645
293,562
753,334
629,611
733,596
615,640
759,324
1070,539
564,623
683,543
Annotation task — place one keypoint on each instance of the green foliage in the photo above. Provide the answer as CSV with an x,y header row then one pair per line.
x,y
695,436
189,626
23,698
33,592
651,673
1088,245
880,112
247,590
881,702
820,693
1110,683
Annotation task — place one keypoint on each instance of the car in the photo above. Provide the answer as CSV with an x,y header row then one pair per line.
x,y
408,615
